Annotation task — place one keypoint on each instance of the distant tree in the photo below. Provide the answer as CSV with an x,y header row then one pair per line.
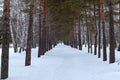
x,y
5,40
19,18
79,33
1,30
96,33
40,42
119,27
99,33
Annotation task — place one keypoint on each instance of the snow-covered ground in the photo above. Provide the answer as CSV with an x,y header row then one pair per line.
x,y
62,63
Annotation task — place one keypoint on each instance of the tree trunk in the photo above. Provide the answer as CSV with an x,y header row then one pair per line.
x,y
30,35
119,47
119,28
99,31
87,32
91,42
79,35
40,42
6,40
88,39
95,44
43,28
103,28
111,33
14,35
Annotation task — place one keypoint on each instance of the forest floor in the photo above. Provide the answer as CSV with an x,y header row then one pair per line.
x,y
63,63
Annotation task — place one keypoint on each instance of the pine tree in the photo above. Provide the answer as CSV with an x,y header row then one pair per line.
x,y
103,28
5,40
30,35
96,33
111,32
40,33
99,35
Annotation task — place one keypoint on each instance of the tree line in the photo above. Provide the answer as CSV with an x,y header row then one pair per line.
x,y
44,23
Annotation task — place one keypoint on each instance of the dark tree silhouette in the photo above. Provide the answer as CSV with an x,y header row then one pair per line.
x,y
103,28
30,35
99,33
95,44
5,40
79,34
111,32
40,40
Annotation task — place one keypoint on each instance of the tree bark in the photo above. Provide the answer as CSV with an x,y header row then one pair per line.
x,y
95,44
40,42
103,28
99,31
119,28
30,35
43,28
5,40
111,33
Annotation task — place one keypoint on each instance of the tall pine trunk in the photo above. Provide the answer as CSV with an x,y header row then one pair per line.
x,y
40,42
99,31
103,28
111,33
30,35
119,28
87,31
95,44
5,40
43,28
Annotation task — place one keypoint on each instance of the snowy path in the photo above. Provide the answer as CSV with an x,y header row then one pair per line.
x,y
62,63
76,65
66,63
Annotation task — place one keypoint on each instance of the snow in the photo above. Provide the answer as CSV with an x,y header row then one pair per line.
x,y
62,63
